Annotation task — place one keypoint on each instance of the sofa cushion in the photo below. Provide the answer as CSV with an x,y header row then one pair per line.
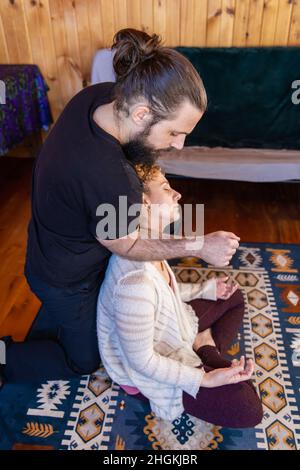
x,y
250,97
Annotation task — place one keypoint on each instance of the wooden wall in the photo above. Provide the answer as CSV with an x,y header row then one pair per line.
x,y
61,36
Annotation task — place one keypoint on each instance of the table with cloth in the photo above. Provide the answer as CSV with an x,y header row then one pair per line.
x,y
26,108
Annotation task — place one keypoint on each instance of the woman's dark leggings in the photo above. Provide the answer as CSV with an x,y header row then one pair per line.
x,y
234,405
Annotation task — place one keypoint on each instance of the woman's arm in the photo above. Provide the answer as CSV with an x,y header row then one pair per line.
x,y
189,291
213,289
134,306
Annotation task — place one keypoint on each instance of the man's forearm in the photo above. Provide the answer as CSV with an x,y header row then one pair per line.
x,y
159,249
216,248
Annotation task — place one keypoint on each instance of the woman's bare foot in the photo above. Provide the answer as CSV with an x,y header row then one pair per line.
x,y
203,338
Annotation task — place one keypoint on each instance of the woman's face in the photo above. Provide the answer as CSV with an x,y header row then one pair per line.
x,y
162,201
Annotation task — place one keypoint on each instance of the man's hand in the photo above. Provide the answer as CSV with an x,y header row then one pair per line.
x,y
219,247
229,375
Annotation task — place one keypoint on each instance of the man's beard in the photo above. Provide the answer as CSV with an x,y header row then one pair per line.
x,y
138,151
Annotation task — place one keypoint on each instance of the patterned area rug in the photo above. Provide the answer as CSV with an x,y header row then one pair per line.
x,y
93,413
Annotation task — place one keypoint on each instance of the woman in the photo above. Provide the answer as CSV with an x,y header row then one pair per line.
x,y
161,349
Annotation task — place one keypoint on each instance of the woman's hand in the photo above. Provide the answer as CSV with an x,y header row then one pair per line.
x,y
225,289
229,375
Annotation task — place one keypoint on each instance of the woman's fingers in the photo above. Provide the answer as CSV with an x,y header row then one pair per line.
x,y
222,292
232,287
233,374
249,367
239,372
240,362
230,375
245,374
234,370
225,289
221,289
223,277
235,287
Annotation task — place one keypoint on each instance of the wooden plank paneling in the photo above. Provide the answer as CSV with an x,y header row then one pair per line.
x,y
282,29
62,36
108,24
120,14
193,22
147,17
227,22
240,32
214,15
69,74
85,48
4,56
200,23
15,30
72,44
134,14
41,42
96,19
166,24
269,22
255,14
187,22
294,33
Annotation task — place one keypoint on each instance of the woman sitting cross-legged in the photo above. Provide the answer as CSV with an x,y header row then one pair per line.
x,y
164,341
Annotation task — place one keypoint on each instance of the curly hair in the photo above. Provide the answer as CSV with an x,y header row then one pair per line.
x,y
146,173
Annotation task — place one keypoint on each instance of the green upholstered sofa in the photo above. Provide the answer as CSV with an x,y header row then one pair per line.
x,y
251,130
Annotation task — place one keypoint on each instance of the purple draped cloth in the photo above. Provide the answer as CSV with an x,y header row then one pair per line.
x,y
26,109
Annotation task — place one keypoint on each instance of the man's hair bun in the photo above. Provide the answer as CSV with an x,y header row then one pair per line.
x,y
132,47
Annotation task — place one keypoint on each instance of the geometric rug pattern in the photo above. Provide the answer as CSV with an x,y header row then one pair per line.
x,y
94,413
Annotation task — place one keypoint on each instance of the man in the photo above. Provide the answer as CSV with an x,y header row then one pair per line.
x,y
85,165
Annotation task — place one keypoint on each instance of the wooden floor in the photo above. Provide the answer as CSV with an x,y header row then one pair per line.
x,y
257,212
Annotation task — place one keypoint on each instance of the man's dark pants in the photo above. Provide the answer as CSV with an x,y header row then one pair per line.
x,y
62,342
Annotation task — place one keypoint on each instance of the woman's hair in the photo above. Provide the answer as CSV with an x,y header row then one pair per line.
x,y
162,76
146,173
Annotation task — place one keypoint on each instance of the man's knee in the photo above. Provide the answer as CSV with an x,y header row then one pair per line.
x,y
85,366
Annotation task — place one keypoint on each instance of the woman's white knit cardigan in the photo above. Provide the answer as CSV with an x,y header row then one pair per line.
x,y
146,332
